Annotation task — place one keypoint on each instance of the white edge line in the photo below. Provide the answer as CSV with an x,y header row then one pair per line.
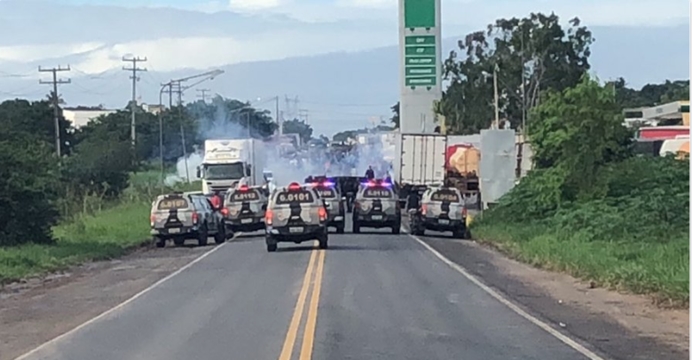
x,y
121,305
571,343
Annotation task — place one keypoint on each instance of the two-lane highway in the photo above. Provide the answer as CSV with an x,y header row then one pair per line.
x,y
369,296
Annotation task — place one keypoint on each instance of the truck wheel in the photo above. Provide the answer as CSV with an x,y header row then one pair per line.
x,y
467,234
220,236
202,237
271,244
396,229
324,241
160,242
340,228
179,241
356,227
459,233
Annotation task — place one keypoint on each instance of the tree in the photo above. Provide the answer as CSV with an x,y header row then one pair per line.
x,y
650,94
533,53
29,179
299,127
576,132
228,118
395,119
35,118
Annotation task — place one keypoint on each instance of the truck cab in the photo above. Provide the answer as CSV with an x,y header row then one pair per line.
x,y
229,164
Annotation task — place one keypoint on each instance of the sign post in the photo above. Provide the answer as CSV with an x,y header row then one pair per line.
x,y
419,43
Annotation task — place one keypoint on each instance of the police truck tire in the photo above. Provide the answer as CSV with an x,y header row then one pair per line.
x,y
459,234
356,227
202,237
396,229
340,229
160,242
220,236
324,241
179,241
271,247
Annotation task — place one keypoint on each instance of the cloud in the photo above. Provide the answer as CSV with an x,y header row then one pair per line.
x,y
30,53
254,5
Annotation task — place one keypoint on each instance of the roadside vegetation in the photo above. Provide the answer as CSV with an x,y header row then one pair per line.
x,y
591,207
93,202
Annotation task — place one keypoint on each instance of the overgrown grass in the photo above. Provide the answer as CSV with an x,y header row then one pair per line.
x,y
104,234
657,268
633,235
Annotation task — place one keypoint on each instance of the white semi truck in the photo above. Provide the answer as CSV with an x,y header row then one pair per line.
x,y
419,162
228,164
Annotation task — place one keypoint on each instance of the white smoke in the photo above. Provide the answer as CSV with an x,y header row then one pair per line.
x,y
217,126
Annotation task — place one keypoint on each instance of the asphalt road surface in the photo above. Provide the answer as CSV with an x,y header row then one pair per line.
x,y
369,296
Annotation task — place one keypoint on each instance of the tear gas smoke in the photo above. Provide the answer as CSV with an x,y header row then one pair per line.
x,y
287,169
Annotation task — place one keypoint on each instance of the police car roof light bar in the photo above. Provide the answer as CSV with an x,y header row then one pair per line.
x,y
294,186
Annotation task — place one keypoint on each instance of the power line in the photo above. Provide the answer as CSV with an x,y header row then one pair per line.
x,y
134,78
56,101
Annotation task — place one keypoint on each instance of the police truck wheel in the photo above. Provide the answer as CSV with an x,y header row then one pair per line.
x,y
203,237
220,236
340,229
271,247
179,241
459,234
324,241
396,229
356,228
160,242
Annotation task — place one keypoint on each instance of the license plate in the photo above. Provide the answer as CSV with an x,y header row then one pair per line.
x,y
173,231
245,221
443,222
296,229
377,217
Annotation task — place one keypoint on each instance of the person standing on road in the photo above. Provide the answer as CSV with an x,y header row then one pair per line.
x,y
370,173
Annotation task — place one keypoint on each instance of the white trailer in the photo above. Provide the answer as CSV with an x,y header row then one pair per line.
x,y
419,162
230,163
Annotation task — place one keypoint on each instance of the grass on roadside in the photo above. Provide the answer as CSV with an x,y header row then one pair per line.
x,y
644,267
105,234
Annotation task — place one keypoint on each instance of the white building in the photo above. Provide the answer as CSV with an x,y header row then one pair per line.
x,y
81,116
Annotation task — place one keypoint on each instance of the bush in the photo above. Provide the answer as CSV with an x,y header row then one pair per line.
x,y
635,237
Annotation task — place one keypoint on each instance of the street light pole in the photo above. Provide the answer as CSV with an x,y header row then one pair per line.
x,y
161,130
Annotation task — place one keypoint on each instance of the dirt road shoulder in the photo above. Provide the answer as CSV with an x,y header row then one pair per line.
x,y
624,326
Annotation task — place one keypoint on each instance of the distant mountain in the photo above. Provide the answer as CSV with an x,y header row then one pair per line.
x,y
344,90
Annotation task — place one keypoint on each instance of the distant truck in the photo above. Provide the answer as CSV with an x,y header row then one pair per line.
x,y
228,164
419,163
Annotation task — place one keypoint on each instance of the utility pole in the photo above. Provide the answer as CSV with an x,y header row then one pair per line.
x,y
497,102
56,102
203,94
133,105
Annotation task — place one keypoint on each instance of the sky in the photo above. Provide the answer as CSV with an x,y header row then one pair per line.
x,y
176,35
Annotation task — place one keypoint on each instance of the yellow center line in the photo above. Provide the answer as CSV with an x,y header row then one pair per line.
x,y
309,333
287,349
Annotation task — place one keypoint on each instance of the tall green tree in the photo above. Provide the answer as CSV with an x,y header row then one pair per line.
x,y
29,181
229,118
299,127
577,131
35,118
396,119
530,54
